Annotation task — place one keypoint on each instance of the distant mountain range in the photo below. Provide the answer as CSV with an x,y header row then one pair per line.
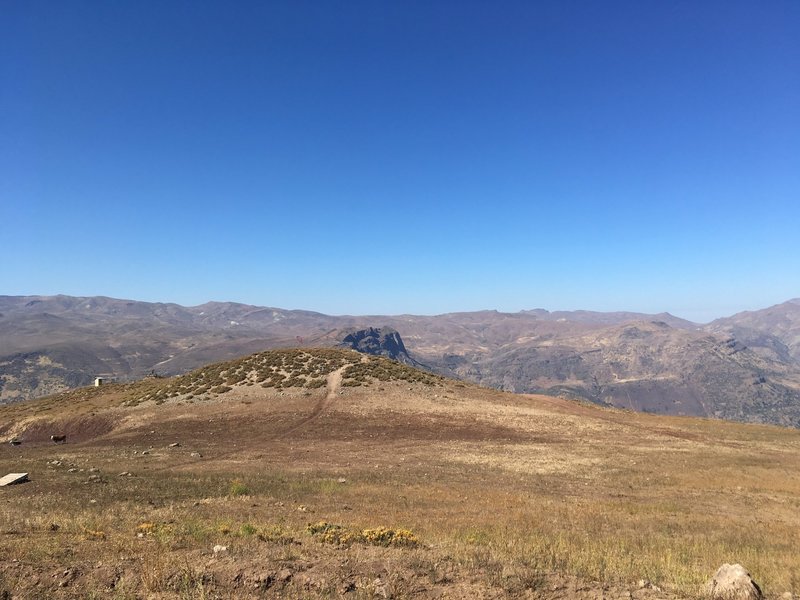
x,y
745,367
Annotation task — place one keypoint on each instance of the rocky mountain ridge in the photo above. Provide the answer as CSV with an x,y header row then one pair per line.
x,y
773,331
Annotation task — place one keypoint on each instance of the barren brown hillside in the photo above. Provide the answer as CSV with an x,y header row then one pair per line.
x,y
325,473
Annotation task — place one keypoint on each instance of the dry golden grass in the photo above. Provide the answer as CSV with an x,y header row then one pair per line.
x,y
504,495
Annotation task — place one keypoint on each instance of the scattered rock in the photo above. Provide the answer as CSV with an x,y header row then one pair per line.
x,y
125,474
220,549
733,582
196,455
283,576
644,584
381,591
175,445
346,587
145,451
261,581
13,478
342,480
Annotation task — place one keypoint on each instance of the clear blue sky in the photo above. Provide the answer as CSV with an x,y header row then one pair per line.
x,y
403,157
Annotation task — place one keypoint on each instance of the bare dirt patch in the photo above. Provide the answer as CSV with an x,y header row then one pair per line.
x,y
80,429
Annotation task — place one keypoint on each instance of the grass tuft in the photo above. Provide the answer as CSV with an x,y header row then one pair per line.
x,y
237,488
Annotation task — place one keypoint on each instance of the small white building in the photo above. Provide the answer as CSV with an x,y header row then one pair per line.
x,y
98,381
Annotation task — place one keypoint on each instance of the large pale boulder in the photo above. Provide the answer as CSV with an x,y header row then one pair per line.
x,y
733,582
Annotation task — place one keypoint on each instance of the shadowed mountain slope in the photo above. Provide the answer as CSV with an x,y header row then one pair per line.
x,y
773,331
652,367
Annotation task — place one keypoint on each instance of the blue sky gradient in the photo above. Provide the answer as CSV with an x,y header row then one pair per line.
x,y
409,157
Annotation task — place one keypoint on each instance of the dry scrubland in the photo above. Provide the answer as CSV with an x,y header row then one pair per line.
x,y
330,474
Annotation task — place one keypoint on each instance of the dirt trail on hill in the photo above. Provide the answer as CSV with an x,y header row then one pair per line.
x,y
334,382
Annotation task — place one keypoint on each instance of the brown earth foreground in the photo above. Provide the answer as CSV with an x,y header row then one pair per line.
x,y
327,474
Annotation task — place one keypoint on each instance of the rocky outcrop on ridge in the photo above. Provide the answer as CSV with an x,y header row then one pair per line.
x,y
378,341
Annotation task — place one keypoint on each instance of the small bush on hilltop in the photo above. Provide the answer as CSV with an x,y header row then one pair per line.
x,y
275,534
329,533
384,369
383,536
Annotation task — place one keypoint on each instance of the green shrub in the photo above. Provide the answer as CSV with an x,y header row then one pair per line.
x,y
238,488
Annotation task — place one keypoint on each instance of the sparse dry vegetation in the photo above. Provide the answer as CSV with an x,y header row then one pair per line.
x,y
407,485
380,536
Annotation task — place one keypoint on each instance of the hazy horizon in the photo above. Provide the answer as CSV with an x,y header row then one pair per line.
x,y
400,313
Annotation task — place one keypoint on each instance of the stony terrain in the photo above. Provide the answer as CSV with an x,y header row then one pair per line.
x,y
251,479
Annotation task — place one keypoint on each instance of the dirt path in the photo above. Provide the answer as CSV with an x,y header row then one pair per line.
x,y
334,382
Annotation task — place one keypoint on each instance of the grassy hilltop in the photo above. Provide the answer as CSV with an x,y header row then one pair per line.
x,y
326,473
